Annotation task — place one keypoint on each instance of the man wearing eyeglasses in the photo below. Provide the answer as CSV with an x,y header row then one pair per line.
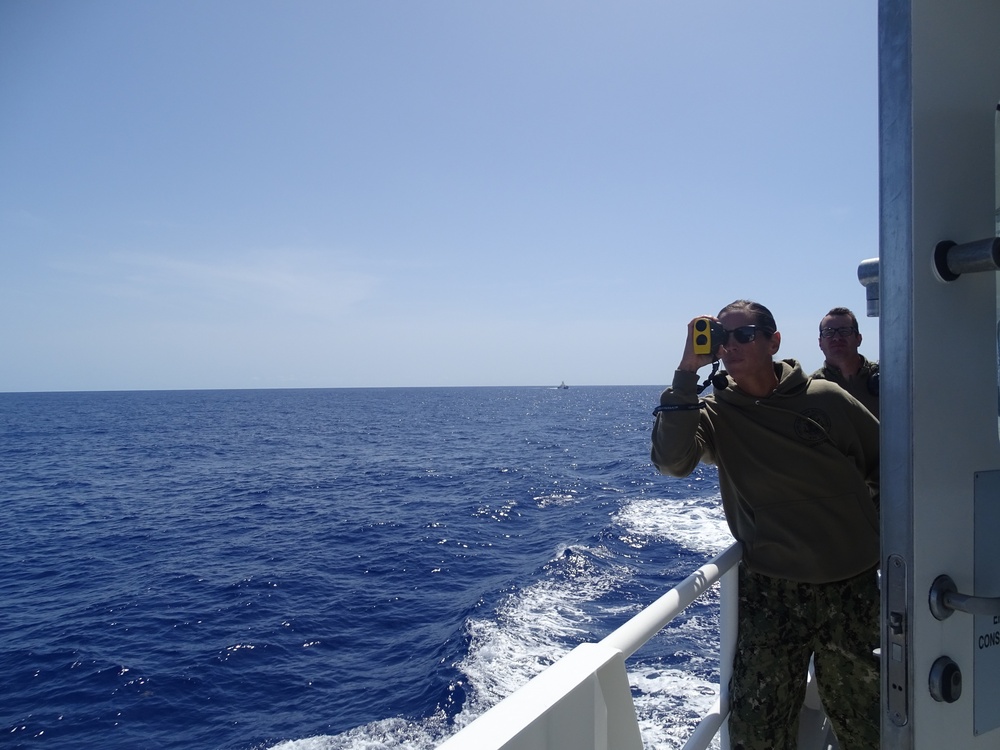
x,y
798,463
839,339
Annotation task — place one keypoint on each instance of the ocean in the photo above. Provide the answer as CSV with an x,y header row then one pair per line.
x,y
334,569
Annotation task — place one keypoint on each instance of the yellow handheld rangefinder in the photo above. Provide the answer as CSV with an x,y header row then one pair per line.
x,y
707,336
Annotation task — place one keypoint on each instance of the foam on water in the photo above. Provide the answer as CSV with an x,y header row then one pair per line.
x,y
530,630
695,523
669,703
387,734
340,570
533,627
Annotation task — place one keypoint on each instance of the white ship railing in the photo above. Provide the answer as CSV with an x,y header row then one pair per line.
x,y
584,701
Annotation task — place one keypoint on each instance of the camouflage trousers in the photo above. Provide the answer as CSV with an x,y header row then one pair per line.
x,y
782,623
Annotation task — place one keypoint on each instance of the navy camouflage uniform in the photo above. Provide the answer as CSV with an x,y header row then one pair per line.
x,y
782,623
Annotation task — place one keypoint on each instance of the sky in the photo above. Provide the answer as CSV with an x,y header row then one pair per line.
x,y
200,194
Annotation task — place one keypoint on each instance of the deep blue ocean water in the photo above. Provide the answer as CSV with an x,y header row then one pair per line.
x,y
341,568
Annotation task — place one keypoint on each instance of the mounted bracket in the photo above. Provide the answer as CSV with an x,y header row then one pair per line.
x,y
868,276
951,260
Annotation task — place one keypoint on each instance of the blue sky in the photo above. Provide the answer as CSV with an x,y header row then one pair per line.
x,y
247,194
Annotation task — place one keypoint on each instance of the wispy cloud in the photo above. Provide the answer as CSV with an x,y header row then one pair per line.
x,y
284,282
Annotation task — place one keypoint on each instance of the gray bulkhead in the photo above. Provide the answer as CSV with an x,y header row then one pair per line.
x,y
939,81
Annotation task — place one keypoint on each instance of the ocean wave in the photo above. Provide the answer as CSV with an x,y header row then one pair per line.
x,y
697,523
320,570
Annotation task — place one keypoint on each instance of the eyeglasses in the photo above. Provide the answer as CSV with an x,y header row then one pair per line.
x,y
845,332
744,334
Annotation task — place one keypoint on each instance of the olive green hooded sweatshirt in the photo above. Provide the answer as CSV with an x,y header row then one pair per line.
x,y
863,386
798,470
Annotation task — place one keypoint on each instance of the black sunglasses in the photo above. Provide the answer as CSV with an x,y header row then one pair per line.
x,y
844,332
744,334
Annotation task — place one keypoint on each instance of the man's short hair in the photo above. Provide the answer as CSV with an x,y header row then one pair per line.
x,y
842,311
761,315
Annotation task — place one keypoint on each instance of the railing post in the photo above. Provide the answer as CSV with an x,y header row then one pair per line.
x,y
714,722
729,604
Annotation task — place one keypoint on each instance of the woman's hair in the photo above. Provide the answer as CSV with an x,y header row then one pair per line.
x,y
761,315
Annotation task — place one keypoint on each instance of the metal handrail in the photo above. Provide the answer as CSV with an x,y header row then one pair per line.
x,y
622,643
633,634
